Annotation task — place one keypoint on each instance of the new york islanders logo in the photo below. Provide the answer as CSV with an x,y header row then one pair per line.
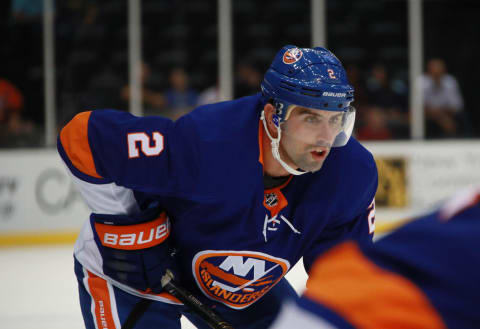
x,y
237,278
292,55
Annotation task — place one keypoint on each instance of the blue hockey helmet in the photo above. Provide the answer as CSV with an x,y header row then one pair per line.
x,y
309,77
312,78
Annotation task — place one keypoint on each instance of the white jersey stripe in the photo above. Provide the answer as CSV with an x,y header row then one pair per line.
x,y
292,316
107,198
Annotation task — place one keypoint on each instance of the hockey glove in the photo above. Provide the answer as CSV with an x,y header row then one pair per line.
x,y
135,249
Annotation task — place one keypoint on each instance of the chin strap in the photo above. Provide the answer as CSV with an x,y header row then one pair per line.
x,y
275,142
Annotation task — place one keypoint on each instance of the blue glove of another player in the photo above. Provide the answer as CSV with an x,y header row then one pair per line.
x,y
134,249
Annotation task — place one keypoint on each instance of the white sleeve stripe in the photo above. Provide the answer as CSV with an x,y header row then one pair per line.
x,y
292,316
107,198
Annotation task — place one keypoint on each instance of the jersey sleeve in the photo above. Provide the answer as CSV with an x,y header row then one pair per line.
x,y
358,229
141,153
112,155
348,290
357,224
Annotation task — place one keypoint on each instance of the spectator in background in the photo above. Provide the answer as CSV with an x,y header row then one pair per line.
x,y
383,92
374,125
385,117
443,101
22,43
27,27
179,98
27,11
12,127
247,80
153,100
371,120
102,90
210,95
355,76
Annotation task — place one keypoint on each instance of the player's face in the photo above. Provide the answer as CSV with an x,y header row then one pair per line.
x,y
308,135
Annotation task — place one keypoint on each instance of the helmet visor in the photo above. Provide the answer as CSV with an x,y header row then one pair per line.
x,y
319,128
348,121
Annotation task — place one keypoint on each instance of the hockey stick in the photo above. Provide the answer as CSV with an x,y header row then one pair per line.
x,y
206,313
172,287
137,312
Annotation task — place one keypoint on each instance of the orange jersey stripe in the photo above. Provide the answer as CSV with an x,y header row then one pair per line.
x,y
74,139
368,296
232,278
212,269
101,297
165,295
282,201
260,142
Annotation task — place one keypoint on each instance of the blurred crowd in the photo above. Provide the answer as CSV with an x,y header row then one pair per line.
x,y
381,102
383,105
90,75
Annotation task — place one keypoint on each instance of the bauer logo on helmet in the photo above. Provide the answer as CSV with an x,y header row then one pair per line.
x,y
292,55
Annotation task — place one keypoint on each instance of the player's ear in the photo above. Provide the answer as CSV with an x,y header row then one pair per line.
x,y
270,111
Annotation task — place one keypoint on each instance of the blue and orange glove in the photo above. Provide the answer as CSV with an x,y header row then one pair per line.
x,y
135,249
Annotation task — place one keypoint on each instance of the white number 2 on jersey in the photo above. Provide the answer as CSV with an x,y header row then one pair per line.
x,y
145,144
371,217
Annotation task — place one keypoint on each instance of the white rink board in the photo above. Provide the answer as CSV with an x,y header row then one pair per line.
x,y
37,195
434,170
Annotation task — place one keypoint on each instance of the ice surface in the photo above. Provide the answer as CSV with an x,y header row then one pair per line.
x,y
38,289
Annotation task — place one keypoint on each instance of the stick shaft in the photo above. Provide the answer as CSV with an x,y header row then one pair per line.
x,y
206,313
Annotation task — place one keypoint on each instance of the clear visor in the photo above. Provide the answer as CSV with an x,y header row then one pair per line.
x,y
319,128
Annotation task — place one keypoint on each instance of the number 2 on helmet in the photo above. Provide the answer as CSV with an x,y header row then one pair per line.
x,y
331,74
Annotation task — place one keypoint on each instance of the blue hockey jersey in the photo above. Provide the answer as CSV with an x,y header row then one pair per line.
x,y
234,239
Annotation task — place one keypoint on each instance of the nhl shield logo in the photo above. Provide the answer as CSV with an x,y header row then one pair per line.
x,y
237,278
292,55
271,199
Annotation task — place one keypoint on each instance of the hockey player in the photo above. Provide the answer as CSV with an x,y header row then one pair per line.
x,y
423,276
237,191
